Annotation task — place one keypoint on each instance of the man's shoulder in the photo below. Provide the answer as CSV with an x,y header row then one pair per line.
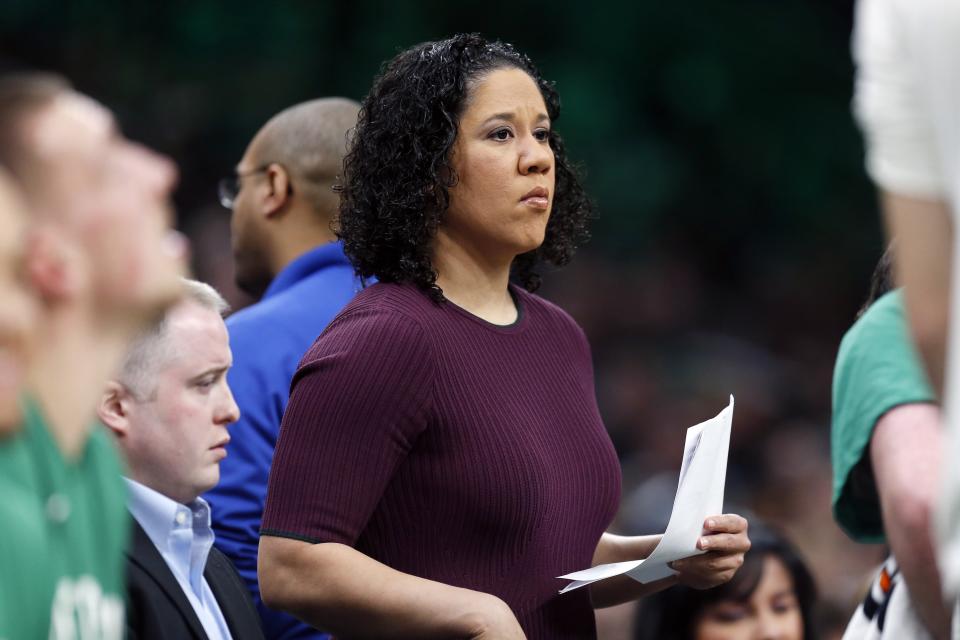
x,y
305,306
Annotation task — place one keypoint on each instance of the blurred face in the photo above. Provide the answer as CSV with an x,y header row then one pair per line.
x,y
177,436
248,229
500,206
18,311
114,196
771,613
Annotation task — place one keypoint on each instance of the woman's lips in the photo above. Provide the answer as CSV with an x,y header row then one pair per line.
x,y
537,198
537,202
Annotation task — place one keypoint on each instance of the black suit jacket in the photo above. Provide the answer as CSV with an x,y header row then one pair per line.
x,y
157,608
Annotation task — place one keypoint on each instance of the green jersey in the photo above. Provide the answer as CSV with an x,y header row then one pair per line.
x,y
877,369
64,530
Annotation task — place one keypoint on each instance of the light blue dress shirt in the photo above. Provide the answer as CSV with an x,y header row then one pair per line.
x,y
182,535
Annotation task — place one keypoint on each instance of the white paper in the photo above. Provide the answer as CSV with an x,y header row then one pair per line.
x,y
703,474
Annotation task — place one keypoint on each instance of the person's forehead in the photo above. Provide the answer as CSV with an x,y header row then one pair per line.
x,y
775,578
252,153
190,317
504,90
69,122
196,332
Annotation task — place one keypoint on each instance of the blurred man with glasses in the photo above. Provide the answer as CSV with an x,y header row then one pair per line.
x,y
284,251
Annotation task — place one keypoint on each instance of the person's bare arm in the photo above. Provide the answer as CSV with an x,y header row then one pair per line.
x,y
922,232
726,543
905,453
620,589
338,589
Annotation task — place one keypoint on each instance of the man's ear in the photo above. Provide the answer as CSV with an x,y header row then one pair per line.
x,y
280,191
114,408
52,264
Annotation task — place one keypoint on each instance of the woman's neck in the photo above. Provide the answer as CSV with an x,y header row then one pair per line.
x,y
474,282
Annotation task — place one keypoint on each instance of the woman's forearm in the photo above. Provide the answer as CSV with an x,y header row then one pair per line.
x,y
614,548
338,589
620,589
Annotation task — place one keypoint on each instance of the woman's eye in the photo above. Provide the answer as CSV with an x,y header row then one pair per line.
x,y
543,135
784,605
501,134
729,614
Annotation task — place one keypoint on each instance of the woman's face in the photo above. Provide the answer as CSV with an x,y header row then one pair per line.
x,y
771,613
505,167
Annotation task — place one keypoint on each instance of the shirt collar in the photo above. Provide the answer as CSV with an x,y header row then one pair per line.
x,y
160,516
181,533
306,264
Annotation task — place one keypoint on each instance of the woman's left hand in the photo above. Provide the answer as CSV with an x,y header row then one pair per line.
x,y
725,541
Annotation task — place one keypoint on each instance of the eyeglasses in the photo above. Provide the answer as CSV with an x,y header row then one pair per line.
x,y
228,188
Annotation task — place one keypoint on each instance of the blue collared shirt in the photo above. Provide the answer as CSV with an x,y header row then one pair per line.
x,y
268,339
182,535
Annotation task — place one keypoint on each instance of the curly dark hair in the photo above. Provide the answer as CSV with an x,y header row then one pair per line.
x,y
397,172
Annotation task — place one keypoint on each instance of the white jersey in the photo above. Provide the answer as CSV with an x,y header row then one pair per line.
x,y
907,100
886,612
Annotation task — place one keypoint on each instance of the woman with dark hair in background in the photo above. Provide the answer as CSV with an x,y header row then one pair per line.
x,y
770,598
442,458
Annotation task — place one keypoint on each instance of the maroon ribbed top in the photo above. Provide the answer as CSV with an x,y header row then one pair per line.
x,y
452,449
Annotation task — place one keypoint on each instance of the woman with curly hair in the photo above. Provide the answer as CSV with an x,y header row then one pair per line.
x,y
442,457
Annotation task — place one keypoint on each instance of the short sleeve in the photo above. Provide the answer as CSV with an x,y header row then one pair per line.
x,y
905,96
877,369
358,402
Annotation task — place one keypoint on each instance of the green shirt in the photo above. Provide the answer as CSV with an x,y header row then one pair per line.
x,y
63,530
877,369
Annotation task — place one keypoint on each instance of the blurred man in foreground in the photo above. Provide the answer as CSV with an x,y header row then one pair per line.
x,y
907,98
105,265
17,315
18,311
170,409
283,205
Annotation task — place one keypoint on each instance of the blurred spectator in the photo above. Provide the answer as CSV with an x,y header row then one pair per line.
x,y
18,311
105,265
772,596
17,319
907,98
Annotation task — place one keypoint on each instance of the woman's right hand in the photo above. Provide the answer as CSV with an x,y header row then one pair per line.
x,y
497,622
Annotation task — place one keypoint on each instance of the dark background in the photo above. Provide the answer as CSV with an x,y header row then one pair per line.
x,y
736,228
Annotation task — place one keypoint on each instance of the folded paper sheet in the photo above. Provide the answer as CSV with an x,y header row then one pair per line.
x,y
703,474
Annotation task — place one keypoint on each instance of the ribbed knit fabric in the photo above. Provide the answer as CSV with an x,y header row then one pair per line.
x,y
452,449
